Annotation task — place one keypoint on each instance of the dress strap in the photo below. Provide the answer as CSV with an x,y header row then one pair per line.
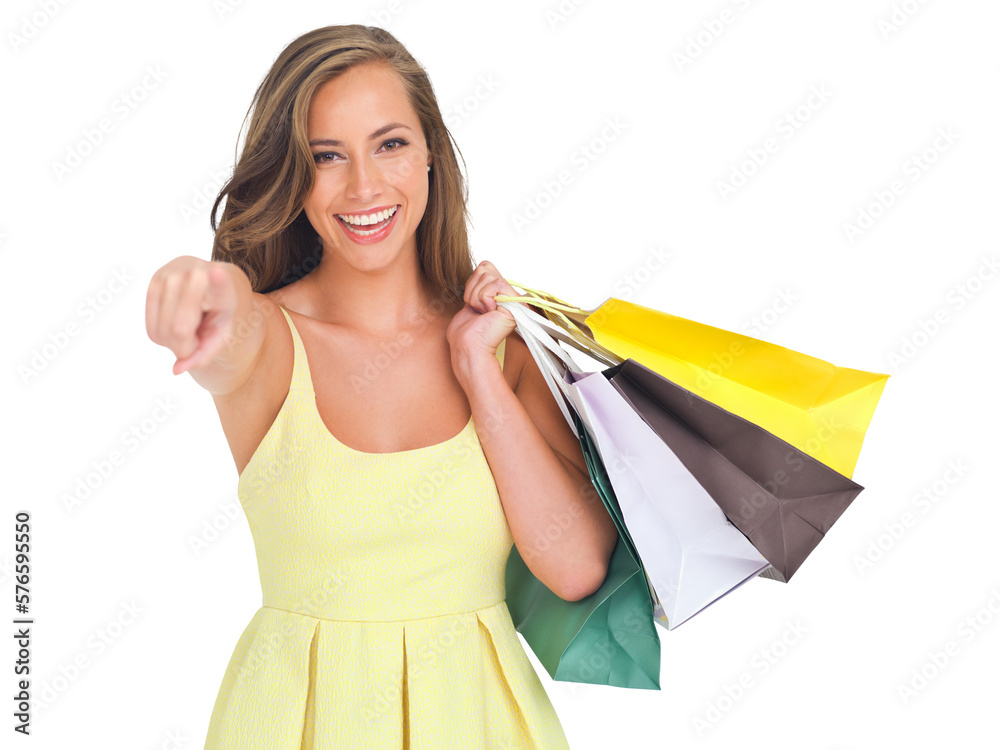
x,y
301,379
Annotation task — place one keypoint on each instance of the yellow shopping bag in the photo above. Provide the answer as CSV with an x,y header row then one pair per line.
x,y
821,409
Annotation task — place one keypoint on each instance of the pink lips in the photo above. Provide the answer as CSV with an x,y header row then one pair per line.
x,y
378,236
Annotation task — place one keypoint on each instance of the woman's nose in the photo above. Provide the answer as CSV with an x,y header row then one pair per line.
x,y
364,180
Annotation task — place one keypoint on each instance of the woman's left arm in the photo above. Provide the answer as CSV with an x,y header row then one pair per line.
x,y
557,520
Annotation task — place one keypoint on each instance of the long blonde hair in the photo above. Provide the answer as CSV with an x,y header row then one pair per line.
x,y
264,229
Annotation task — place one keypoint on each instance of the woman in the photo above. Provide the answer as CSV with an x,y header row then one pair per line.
x,y
382,525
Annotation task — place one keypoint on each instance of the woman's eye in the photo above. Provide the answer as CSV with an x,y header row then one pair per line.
x,y
330,157
399,143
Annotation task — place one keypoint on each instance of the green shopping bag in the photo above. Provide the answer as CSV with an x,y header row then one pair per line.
x,y
607,638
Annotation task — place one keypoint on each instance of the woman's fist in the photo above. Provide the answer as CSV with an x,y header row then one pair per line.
x,y
477,329
484,283
190,306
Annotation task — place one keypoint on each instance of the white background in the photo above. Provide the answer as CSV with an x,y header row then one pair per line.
x,y
895,76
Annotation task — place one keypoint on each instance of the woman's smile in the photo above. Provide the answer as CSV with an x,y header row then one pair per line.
x,y
369,226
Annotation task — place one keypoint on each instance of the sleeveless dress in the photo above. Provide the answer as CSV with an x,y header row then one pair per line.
x,y
383,622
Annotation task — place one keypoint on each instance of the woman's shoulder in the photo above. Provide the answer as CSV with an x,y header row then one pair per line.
x,y
288,297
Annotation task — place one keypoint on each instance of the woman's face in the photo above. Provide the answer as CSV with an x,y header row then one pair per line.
x,y
371,167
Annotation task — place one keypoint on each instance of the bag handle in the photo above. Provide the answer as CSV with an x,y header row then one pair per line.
x,y
551,298
549,330
542,350
570,317
529,323
548,302
582,339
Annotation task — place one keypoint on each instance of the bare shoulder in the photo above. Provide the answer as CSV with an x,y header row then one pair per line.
x,y
247,412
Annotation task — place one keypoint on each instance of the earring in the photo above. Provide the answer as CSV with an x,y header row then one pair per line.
x,y
428,167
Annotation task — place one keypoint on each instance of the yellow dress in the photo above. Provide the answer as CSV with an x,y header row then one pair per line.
x,y
383,622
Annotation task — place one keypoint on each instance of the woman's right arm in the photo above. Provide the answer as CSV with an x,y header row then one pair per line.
x,y
206,313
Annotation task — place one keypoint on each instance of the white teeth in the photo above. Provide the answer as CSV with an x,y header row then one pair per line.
x,y
358,220
366,219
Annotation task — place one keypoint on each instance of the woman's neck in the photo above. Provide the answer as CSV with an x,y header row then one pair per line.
x,y
380,303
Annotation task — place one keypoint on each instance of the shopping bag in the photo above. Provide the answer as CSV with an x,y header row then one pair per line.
x,y
781,498
821,409
691,553
607,638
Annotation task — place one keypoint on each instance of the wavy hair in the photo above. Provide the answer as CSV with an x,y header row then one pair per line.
x,y
264,229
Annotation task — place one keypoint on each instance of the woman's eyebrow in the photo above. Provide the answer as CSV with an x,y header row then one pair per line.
x,y
377,134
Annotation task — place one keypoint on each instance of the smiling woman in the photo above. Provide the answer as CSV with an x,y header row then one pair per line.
x,y
293,139
383,508
348,178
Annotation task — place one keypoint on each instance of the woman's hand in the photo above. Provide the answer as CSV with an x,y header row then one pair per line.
x,y
190,306
478,328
